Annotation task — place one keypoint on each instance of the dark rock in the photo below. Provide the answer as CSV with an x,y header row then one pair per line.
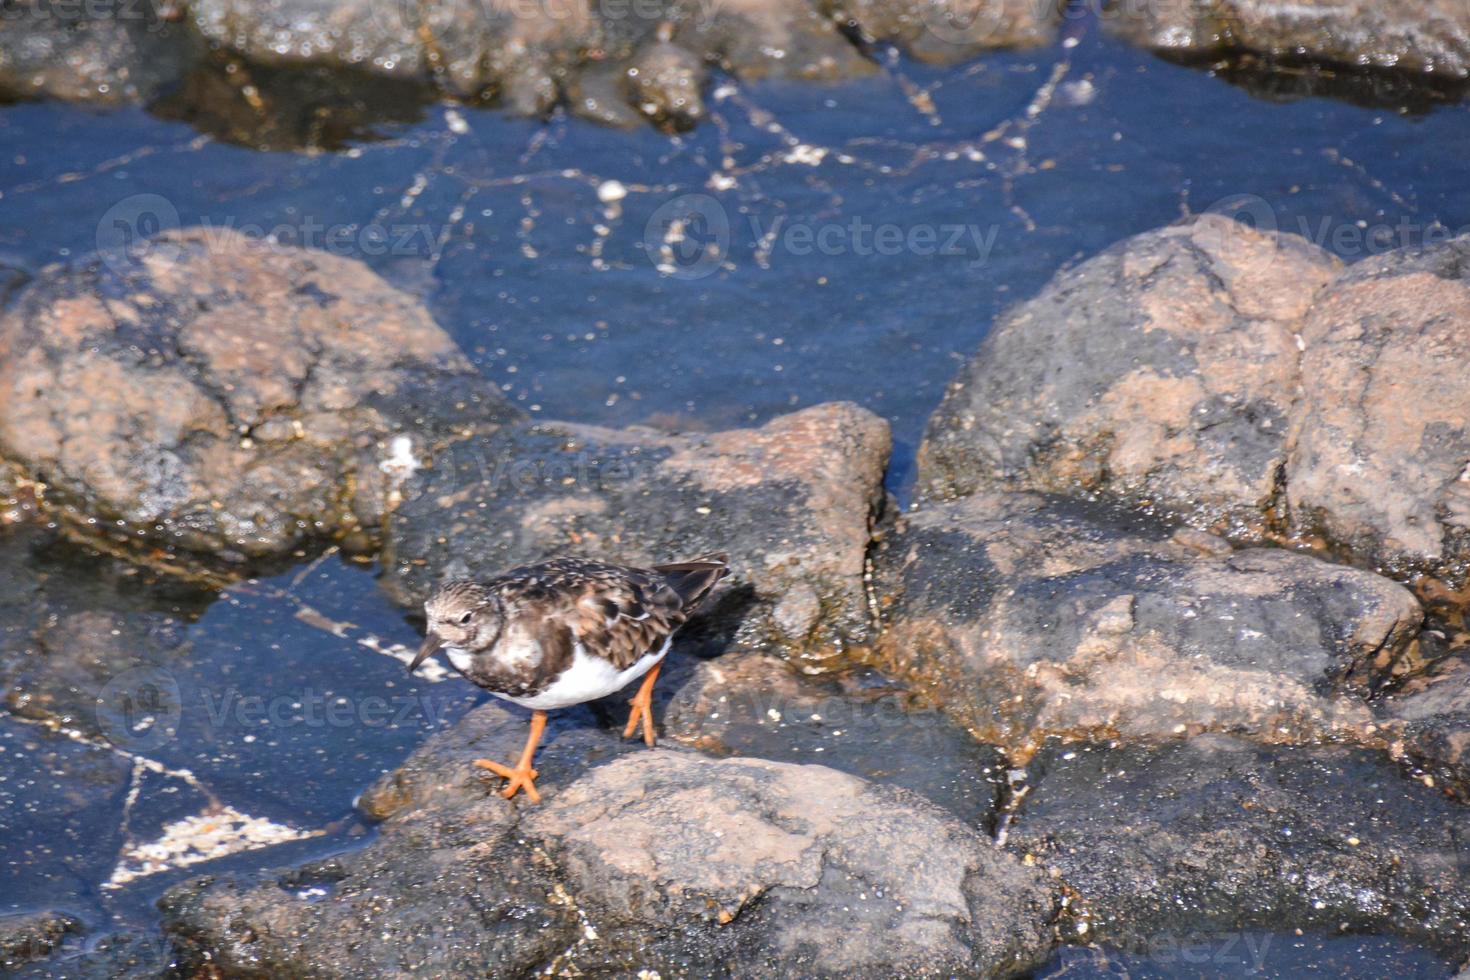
x,y
1430,36
28,938
226,396
118,956
376,36
1215,834
654,860
59,50
1382,436
1162,372
753,704
792,502
1026,617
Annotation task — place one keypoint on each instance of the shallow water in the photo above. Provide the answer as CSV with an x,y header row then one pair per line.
x,y
850,242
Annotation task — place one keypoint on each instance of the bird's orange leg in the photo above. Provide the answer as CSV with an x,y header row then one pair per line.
x,y
642,703
522,776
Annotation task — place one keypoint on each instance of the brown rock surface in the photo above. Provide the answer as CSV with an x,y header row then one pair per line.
x,y
1163,371
226,396
1429,36
792,502
1025,617
655,860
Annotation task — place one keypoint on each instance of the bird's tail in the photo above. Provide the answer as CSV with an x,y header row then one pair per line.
x,y
694,578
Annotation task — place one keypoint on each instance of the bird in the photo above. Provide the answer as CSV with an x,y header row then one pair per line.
x,y
564,632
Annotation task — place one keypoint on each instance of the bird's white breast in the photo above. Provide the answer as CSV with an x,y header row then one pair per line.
x,y
587,679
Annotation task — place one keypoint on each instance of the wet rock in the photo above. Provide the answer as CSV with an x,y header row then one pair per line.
x,y
667,85
1162,372
792,502
636,859
1430,36
953,30
380,37
1025,617
221,395
68,51
1379,462
753,704
1216,833
27,938
1430,720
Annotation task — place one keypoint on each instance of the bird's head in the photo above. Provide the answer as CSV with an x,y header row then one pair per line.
x,y
461,614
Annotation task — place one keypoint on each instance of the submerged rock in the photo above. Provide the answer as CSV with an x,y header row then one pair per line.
x,y
656,860
1215,834
792,502
1026,617
1430,36
222,395
27,938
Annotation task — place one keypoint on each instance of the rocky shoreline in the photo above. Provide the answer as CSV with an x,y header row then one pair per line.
x,y
1171,643
623,64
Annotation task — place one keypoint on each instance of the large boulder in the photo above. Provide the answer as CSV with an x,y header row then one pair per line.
x,y
792,502
1426,36
1242,382
1163,372
637,859
1215,834
222,395
1380,459
1026,617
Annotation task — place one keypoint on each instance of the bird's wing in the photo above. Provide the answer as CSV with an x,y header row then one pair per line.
x,y
614,612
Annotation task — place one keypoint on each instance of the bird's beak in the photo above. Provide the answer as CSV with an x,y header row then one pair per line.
x,y
432,645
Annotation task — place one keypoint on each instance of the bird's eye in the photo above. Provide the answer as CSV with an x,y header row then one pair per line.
x,y
465,619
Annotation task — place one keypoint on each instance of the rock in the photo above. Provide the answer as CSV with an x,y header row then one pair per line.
x,y
1239,382
792,502
69,51
784,870
1026,617
377,37
28,938
1430,719
225,396
637,859
1378,465
667,85
754,704
1430,36
952,30
1215,833
1161,372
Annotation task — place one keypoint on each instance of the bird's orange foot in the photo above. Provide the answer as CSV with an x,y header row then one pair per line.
x,y
642,711
521,778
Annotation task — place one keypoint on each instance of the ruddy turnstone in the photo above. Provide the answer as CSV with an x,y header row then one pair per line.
x,y
564,632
